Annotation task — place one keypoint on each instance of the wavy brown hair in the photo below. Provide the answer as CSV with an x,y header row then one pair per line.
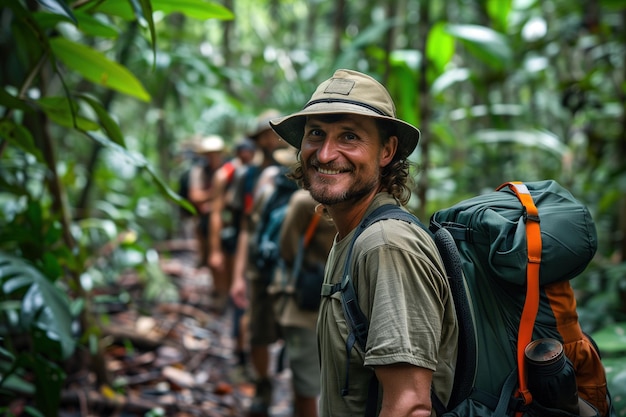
x,y
394,177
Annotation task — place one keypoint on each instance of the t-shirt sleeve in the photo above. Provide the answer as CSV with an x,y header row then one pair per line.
x,y
404,292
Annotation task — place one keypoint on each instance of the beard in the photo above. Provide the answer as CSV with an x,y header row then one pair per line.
x,y
322,191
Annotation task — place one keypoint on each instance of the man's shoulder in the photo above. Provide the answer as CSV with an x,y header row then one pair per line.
x,y
392,232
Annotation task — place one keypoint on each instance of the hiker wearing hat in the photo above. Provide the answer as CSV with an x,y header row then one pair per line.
x,y
354,158
209,151
249,284
306,236
225,221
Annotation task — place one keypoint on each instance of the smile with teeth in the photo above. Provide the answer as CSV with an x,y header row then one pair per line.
x,y
328,171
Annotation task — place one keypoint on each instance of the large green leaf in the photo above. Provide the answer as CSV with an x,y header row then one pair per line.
x,y
109,125
85,22
59,7
95,27
195,9
18,135
484,43
97,68
530,138
498,11
140,162
44,306
449,78
611,339
439,48
402,85
169,193
143,10
64,112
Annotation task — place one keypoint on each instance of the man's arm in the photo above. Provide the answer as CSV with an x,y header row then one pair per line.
x,y
406,390
238,290
216,256
199,196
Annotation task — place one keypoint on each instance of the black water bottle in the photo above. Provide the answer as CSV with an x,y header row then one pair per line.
x,y
551,376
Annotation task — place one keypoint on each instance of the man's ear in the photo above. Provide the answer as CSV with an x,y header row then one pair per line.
x,y
388,151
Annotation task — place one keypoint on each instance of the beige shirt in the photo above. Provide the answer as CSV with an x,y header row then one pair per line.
x,y
402,289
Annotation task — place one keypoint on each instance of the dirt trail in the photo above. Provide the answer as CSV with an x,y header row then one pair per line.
x,y
170,359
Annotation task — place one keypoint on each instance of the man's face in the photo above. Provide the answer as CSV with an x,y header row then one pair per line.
x,y
268,141
214,159
246,155
342,158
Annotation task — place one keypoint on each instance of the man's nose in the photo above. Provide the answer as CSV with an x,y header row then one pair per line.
x,y
327,150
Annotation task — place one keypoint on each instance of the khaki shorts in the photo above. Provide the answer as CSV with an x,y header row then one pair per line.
x,y
264,329
301,344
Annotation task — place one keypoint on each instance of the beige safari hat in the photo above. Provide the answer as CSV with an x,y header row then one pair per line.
x,y
263,123
210,143
287,156
348,92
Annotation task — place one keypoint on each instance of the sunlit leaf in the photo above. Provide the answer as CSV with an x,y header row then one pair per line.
x,y
194,9
44,305
89,25
63,112
449,78
171,194
498,11
109,125
139,161
49,20
439,47
15,383
97,68
484,43
402,85
59,7
482,110
529,138
143,10
134,158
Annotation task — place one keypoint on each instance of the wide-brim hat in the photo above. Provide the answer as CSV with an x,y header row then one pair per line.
x,y
210,143
348,92
287,156
262,123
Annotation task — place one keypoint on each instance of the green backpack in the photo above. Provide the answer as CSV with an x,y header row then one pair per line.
x,y
509,256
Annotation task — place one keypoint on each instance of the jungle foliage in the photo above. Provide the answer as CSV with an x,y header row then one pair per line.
x,y
99,97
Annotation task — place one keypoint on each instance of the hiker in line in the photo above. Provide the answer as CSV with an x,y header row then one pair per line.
x,y
304,216
209,150
249,287
225,219
354,158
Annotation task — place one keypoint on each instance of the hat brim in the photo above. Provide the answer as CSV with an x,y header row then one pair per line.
x,y
291,128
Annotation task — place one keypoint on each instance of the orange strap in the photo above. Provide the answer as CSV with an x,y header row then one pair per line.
x,y
531,304
308,235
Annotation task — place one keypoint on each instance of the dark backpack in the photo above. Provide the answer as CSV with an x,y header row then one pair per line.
x,y
503,300
268,230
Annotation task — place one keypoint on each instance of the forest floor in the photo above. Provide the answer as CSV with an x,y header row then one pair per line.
x,y
171,359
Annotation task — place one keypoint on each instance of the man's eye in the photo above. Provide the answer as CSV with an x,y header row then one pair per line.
x,y
350,136
314,133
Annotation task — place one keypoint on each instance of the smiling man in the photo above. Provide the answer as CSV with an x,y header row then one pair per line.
x,y
353,159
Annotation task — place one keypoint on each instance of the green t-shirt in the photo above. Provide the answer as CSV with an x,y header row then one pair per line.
x,y
398,278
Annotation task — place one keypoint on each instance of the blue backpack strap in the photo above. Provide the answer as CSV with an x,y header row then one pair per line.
x,y
354,316
356,320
